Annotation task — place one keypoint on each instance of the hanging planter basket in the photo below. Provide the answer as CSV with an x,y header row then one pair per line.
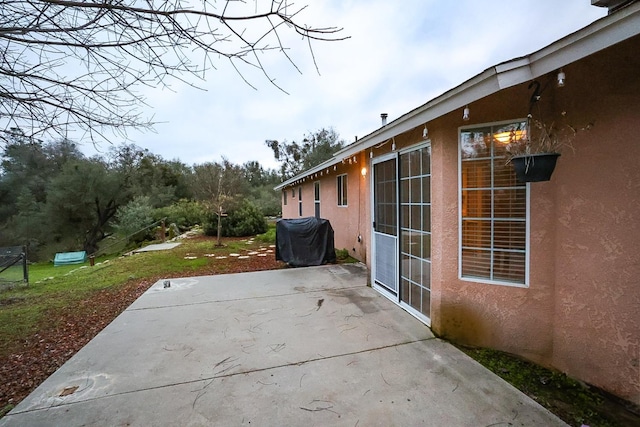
x,y
535,167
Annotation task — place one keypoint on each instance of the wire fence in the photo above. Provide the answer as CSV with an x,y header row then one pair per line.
x,y
160,222
13,266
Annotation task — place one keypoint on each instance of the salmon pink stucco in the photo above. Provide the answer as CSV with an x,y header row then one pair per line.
x,y
545,270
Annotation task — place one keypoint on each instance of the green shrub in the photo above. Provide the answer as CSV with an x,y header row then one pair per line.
x,y
210,224
244,220
342,254
173,231
184,213
268,237
133,219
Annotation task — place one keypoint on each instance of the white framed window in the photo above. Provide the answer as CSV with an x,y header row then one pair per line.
x,y
300,201
284,197
316,198
342,189
493,214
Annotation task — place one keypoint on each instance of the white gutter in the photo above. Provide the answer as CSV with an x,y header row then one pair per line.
x,y
599,35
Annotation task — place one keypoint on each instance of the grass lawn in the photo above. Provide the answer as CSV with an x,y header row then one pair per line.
x,y
45,322
25,309
576,403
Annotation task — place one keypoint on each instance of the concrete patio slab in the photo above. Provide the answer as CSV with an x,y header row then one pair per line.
x,y
312,346
158,247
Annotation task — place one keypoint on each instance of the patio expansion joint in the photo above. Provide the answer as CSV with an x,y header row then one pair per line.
x,y
311,291
209,380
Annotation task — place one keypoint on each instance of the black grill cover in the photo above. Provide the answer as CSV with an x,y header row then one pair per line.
x,y
304,241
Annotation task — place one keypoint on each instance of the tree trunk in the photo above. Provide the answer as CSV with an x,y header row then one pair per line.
x,y
219,227
96,233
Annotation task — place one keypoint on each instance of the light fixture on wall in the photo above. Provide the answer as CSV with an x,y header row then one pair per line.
x,y
371,154
425,132
363,171
393,145
561,78
465,113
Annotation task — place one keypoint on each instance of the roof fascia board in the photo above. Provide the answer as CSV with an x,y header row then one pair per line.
x,y
603,33
478,87
322,166
597,36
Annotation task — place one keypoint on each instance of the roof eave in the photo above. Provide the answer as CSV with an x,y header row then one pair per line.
x,y
599,35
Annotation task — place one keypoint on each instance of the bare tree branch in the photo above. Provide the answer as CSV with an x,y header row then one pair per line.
x,y
71,65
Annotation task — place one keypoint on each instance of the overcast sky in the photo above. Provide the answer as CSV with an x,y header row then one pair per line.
x,y
400,55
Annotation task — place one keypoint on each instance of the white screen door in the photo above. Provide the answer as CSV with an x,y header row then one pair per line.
x,y
385,223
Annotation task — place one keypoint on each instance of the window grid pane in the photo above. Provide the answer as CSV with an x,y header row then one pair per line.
x,y
385,196
415,221
342,190
493,210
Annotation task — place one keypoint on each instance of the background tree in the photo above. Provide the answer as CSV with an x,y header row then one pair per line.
x,y
57,200
75,65
220,186
82,200
260,188
147,174
26,168
314,149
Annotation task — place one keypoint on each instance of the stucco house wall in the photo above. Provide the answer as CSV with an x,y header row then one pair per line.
x,y
597,229
350,222
580,312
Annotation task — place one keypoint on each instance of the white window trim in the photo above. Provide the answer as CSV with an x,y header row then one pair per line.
x,y
346,179
299,200
527,217
316,201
